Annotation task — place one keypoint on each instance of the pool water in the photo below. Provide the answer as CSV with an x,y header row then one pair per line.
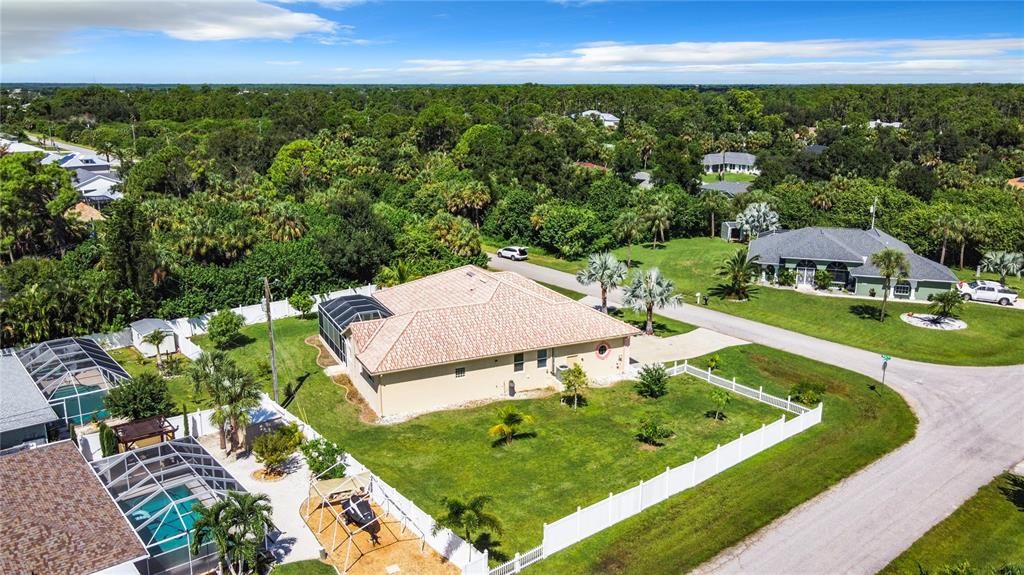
x,y
168,526
81,402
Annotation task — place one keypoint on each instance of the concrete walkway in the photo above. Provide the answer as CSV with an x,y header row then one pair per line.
x,y
650,349
971,429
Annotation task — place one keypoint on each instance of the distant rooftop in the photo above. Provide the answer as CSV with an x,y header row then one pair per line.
x,y
731,189
737,158
21,402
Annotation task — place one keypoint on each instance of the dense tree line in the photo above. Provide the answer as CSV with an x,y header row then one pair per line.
x,y
324,187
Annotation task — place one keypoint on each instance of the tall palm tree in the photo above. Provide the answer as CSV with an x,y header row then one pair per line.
x,y
627,229
242,393
648,291
890,263
284,223
823,198
467,517
967,226
943,227
714,202
211,525
510,422
738,272
237,526
155,338
658,218
1003,263
206,375
606,270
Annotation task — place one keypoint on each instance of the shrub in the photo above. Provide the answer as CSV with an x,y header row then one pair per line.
x,y
575,384
871,292
273,449
302,302
320,455
807,392
224,328
651,432
108,441
822,280
653,382
787,277
714,362
143,396
185,432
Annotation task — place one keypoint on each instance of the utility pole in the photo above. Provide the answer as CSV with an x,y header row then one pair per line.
x,y
873,210
270,328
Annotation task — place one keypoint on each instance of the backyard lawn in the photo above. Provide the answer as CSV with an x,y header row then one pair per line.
x,y
578,457
177,383
729,177
310,567
988,340
987,531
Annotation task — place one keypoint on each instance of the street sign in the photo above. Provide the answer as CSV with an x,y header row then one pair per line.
x,y
885,364
886,357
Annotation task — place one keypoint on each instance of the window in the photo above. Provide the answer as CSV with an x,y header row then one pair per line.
x,y
542,358
460,372
517,362
901,289
602,350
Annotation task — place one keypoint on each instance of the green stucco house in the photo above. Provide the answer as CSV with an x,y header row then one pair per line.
x,y
846,253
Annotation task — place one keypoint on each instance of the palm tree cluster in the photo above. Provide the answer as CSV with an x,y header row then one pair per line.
x,y
233,391
649,290
1003,263
237,526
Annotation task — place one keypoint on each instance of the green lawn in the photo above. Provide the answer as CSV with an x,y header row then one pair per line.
x,y
988,340
709,178
578,457
968,274
310,567
987,531
860,424
181,391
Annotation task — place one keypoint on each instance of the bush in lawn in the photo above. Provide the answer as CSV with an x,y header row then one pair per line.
x,y
321,455
787,277
714,362
575,384
651,432
721,398
653,381
302,302
273,449
145,395
822,280
807,392
224,328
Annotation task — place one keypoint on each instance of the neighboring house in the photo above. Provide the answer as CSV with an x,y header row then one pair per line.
x,y
144,327
86,213
58,518
644,180
74,375
608,120
815,149
466,335
592,166
99,189
77,160
880,124
731,189
25,415
730,162
846,254
14,147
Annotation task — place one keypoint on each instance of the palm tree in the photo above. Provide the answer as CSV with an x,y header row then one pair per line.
x,y
155,338
206,374
1003,263
946,304
237,526
510,421
943,227
284,223
606,270
966,227
471,197
648,291
823,199
242,393
105,148
658,218
713,202
738,273
890,263
756,218
467,517
627,228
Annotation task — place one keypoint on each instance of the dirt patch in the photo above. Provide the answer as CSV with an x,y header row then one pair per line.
x,y
648,447
323,357
263,475
352,396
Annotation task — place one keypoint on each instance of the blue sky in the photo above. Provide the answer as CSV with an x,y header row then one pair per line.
x,y
346,41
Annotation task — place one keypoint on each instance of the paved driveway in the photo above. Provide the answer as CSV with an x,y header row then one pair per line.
x,y
651,349
971,429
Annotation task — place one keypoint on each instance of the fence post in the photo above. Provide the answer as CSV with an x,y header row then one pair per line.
x,y
515,565
789,404
667,469
543,547
734,384
641,496
740,444
709,375
760,393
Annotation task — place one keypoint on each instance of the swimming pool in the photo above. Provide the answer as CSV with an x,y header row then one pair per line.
x,y
168,526
81,402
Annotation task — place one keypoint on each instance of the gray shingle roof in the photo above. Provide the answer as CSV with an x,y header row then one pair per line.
x,y
731,189
741,158
848,245
816,149
21,402
149,324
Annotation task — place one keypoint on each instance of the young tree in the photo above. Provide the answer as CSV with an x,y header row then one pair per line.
x,y
143,396
224,328
653,381
658,219
721,398
108,441
467,517
275,448
891,263
155,338
606,270
1003,263
628,226
651,432
207,375
301,302
648,291
738,272
574,384
510,422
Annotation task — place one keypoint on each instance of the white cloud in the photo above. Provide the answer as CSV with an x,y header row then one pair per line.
x,y
334,4
966,59
33,29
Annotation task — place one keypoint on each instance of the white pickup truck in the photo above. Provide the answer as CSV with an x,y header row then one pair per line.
x,y
990,291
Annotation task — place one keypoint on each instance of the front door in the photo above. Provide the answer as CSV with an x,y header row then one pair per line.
x,y
805,275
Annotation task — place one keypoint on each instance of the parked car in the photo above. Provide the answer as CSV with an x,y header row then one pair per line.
x,y
985,290
514,253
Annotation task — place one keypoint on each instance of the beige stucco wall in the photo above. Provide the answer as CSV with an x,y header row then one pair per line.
x,y
436,387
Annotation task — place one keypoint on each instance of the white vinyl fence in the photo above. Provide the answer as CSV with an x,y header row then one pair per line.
x,y
731,385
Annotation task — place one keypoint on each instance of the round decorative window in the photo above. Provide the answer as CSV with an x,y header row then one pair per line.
x,y
602,350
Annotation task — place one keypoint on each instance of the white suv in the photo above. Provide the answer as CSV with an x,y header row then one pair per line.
x,y
514,253
990,291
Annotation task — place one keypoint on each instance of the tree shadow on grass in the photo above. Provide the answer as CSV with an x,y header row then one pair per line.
x,y
240,340
865,311
1014,490
487,542
716,415
580,400
502,442
290,397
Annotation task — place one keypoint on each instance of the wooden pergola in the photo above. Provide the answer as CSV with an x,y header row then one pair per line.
x,y
143,432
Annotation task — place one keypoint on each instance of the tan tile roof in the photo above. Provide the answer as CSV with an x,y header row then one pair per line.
x,y
86,213
57,517
468,313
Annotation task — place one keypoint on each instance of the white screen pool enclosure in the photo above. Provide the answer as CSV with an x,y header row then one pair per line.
x,y
74,375
155,488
